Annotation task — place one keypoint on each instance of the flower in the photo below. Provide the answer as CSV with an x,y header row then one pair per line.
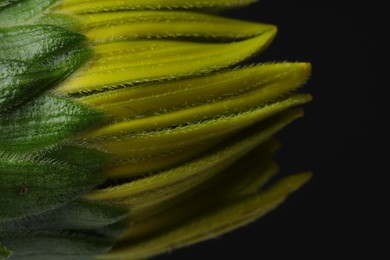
x,y
128,128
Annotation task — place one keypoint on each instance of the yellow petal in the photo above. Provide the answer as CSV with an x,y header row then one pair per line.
x,y
119,64
161,186
88,6
143,100
230,183
111,26
129,143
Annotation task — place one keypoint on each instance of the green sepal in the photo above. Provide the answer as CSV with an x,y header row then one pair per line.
x,y
4,252
21,81
5,3
60,20
88,159
76,215
35,43
31,186
43,122
16,12
55,245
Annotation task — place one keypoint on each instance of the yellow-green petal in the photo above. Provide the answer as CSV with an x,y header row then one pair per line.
x,y
121,64
148,189
88,6
162,97
231,182
132,25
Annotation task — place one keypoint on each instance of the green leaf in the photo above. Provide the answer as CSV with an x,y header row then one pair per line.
x,y
43,122
55,245
32,186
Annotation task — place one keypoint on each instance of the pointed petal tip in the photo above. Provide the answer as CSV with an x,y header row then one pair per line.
x,y
302,71
306,68
294,182
273,31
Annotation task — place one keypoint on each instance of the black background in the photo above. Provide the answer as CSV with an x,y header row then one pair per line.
x,y
343,212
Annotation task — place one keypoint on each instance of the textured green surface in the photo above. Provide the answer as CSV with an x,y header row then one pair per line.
x,y
41,175
22,80
16,12
34,58
35,43
29,186
43,122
